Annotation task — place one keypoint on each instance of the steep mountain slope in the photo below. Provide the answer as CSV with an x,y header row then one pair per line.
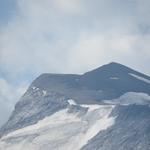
x,y
100,105
131,130
70,129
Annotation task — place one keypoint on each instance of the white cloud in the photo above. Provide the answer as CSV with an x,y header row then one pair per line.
x,y
8,96
72,36
69,6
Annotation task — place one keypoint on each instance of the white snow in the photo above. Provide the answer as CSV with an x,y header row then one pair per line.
x,y
61,131
102,123
113,78
37,88
140,78
44,92
33,87
71,102
131,98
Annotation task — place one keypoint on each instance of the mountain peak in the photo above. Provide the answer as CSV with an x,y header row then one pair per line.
x,y
112,67
113,63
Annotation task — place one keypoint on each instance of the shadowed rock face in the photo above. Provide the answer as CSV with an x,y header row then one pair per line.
x,y
50,92
107,82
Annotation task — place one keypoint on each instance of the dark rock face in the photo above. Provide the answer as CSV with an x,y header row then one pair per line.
x,y
49,92
107,82
131,130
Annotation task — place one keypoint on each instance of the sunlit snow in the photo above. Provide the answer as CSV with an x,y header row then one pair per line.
x,y
131,98
71,102
61,131
113,78
44,92
140,78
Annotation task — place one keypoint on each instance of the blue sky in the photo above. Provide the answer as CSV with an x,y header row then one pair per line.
x,y
68,36
7,10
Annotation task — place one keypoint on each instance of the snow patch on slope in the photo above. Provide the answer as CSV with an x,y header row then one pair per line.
x,y
131,98
71,102
140,78
44,93
61,131
113,78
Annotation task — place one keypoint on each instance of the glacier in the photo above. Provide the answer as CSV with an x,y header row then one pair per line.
x,y
63,130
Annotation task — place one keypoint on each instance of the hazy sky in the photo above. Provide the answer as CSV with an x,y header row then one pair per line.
x,y
68,36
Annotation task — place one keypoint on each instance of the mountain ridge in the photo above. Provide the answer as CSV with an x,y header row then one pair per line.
x,y
49,94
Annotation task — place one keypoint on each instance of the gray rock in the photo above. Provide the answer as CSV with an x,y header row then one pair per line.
x,y
131,130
